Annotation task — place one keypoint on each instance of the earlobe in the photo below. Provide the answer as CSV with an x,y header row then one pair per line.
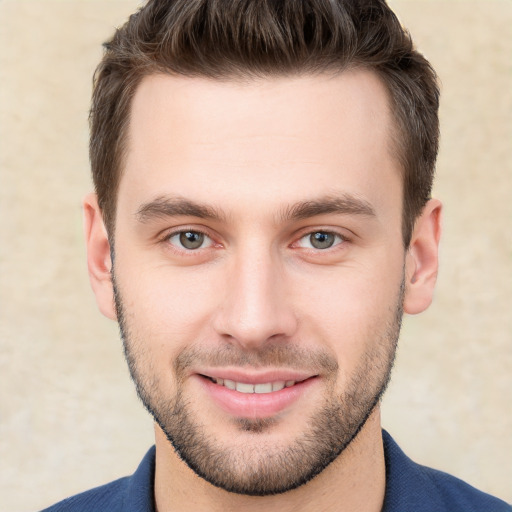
x,y
422,259
99,261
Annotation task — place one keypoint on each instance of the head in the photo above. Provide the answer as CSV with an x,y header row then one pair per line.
x,y
263,172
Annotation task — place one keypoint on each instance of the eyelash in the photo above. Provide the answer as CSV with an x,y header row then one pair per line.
x,y
339,239
182,251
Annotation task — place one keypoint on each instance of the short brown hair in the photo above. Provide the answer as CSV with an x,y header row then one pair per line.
x,y
261,38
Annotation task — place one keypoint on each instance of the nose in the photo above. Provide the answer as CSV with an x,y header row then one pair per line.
x,y
255,308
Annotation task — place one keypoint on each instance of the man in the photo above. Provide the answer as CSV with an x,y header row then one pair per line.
x,y
261,221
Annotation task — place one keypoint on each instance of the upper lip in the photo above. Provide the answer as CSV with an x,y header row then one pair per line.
x,y
255,377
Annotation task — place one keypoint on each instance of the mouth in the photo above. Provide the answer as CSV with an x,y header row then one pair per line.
x,y
256,396
260,388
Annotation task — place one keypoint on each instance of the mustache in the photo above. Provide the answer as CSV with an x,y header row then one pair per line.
x,y
269,356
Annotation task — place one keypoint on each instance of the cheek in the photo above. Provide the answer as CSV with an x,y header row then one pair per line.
x,y
351,311
163,314
166,306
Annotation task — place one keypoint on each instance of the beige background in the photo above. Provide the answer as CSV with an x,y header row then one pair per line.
x,y
69,418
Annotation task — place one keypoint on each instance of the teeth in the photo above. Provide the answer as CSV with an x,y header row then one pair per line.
x,y
267,387
263,388
277,386
244,388
229,384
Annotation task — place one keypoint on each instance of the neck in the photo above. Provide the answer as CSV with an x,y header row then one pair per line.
x,y
354,481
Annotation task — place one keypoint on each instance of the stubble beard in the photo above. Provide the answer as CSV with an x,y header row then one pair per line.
x,y
260,468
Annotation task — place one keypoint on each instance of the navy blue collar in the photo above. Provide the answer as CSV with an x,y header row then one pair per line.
x,y
407,488
140,491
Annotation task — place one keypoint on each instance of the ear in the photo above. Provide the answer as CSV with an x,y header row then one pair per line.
x,y
421,263
99,262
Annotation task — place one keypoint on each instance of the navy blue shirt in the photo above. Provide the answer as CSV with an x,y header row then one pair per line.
x,y
409,488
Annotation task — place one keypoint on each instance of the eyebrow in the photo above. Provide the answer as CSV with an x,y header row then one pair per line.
x,y
165,206
346,204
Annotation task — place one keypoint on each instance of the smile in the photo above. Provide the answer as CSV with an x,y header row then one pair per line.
x,y
255,396
243,387
255,393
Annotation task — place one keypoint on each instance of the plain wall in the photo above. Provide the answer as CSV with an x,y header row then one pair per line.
x,y
69,417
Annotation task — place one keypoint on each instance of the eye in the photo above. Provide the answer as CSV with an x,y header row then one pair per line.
x,y
190,240
320,240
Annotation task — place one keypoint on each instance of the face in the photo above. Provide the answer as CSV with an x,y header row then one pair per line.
x,y
259,269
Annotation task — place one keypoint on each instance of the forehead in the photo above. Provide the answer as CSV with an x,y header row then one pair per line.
x,y
272,140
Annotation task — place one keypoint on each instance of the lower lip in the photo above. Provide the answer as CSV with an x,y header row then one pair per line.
x,y
255,405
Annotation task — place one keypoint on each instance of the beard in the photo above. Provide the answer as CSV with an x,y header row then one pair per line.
x,y
262,467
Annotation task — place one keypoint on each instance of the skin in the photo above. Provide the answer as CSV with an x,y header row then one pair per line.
x,y
251,152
